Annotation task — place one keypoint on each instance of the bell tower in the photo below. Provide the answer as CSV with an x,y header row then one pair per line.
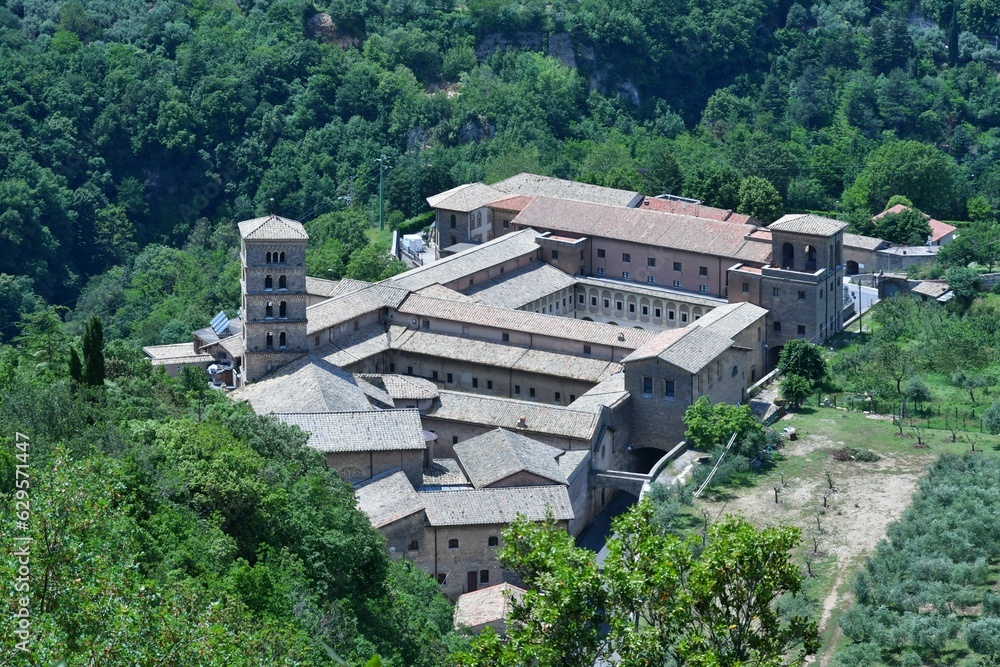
x,y
273,283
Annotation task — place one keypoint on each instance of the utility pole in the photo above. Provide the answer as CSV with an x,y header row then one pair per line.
x,y
381,203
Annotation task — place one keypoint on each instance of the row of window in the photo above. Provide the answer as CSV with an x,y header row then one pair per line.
x,y
776,291
484,577
619,305
651,262
450,379
800,329
647,387
282,309
492,541
627,275
282,339
274,258
269,282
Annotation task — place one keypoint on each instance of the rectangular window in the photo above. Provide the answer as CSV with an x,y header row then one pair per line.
x,y
802,330
777,326
802,295
618,305
531,392
670,314
677,266
821,293
677,283
656,313
489,384
484,576
631,308
572,398
409,370
651,262
627,258
454,441
475,383
702,270
506,224
746,288
426,324
607,303
392,367
414,546
452,544
558,396
555,254
650,279
517,389
450,380
702,288
434,375
647,386
579,298
600,253
600,270
668,389
317,341
684,317
505,337
645,310
586,349
626,275
593,301
775,291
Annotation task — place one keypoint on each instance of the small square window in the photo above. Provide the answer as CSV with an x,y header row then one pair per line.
x,y
702,288
802,295
586,349
452,544
531,392
600,253
600,270
627,257
414,546
777,326
493,541
651,262
572,398
746,288
626,275
442,578
426,324
505,337
555,254
450,380
517,389
677,266
702,270
650,279
677,283
489,384
802,330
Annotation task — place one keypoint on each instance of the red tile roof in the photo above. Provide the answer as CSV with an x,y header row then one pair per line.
x,y
515,203
697,210
939,229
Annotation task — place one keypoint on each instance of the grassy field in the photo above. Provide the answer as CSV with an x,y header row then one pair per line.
x,y
843,507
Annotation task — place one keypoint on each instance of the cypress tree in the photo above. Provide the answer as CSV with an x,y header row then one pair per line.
x,y
75,366
93,354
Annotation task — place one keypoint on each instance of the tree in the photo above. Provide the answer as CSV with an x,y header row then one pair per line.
x,y
760,199
42,339
991,418
800,357
711,425
75,366
795,389
916,391
662,174
93,352
964,283
716,185
970,382
372,264
897,362
908,227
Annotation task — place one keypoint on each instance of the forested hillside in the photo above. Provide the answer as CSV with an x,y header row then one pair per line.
x,y
130,125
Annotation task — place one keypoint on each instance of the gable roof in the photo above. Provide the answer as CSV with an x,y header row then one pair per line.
x,y
478,258
534,185
521,286
512,203
507,412
807,223
321,286
175,354
387,498
486,605
496,506
353,303
272,227
690,349
939,229
652,228
732,319
863,242
308,384
404,387
465,198
374,430
495,456
697,210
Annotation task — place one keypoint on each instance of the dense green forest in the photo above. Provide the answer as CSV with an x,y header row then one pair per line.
x,y
133,135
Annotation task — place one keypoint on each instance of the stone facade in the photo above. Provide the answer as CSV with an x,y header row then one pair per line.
x,y
358,466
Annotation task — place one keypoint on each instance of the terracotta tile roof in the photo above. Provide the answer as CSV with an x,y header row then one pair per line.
x,y
403,387
272,227
374,430
520,287
492,457
487,605
863,242
514,203
520,320
805,223
496,506
655,292
444,472
690,349
939,229
478,258
506,412
321,287
651,228
506,356
346,307
175,354
697,210
309,384
387,498
534,185
465,198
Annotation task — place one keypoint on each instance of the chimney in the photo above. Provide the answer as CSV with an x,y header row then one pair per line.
x,y
522,422
329,274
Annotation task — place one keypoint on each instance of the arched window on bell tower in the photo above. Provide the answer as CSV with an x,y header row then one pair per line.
x,y
268,283
281,340
269,341
269,309
267,258
283,309
282,282
281,257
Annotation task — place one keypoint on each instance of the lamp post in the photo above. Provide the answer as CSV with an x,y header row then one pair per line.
x,y
381,203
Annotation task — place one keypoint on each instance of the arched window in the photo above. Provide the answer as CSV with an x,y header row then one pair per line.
x,y
281,258
268,258
282,282
269,310
453,221
788,256
736,371
270,339
283,309
268,283
810,258
281,340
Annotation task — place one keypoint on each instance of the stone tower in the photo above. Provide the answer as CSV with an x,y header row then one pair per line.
x,y
273,282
